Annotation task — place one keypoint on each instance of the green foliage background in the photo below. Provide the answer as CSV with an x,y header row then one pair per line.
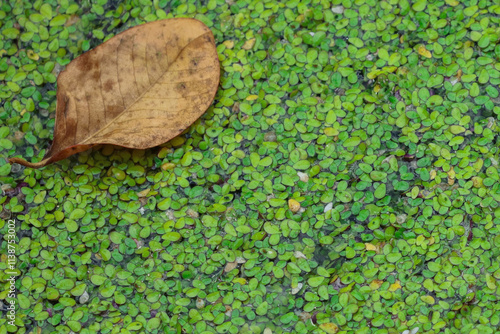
x,y
379,117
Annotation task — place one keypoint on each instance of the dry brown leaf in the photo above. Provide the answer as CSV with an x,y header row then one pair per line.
x,y
139,89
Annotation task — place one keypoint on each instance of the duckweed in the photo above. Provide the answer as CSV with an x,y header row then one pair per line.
x,y
345,179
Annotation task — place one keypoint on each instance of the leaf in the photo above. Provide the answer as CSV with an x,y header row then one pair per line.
x,y
139,89
329,328
315,281
422,50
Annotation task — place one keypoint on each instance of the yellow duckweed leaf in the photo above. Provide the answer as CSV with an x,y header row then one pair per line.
x,y
330,132
375,284
428,299
347,288
240,280
424,52
329,328
394,286
370,247
229,44
248,44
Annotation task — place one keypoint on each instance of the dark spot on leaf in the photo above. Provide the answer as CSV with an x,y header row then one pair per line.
x,y
84,63
113,109
180,87
108,85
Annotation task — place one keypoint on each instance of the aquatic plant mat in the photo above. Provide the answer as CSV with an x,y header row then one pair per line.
x,y
344,180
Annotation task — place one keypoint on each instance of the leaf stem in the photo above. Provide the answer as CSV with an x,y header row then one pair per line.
x,y
25,163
